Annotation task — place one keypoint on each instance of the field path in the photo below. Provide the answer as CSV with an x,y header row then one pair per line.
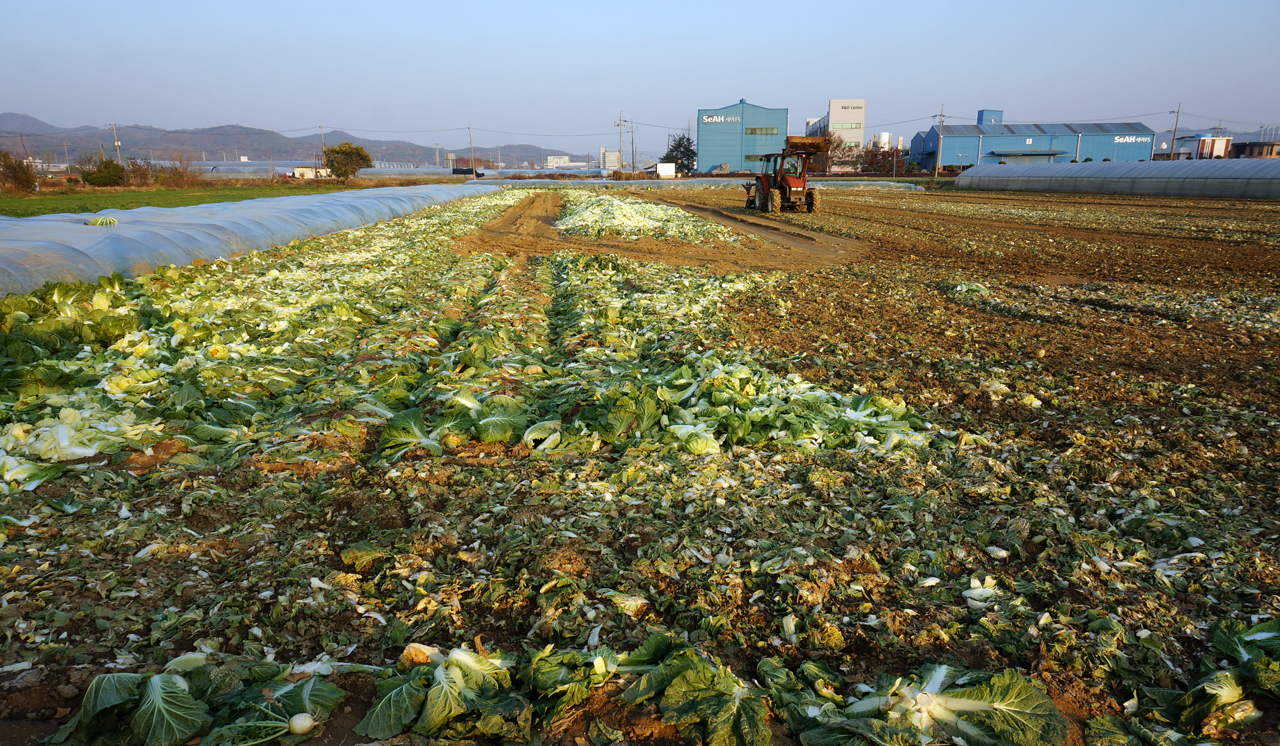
x,y
528,229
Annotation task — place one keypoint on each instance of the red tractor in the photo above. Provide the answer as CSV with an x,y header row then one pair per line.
x,y
783,181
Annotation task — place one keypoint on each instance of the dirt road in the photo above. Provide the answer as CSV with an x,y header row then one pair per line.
x,y
528,229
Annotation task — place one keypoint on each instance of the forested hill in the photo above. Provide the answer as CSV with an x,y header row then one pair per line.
x,y
27,136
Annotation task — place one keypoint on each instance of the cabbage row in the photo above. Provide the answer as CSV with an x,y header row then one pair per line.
x,y
229,359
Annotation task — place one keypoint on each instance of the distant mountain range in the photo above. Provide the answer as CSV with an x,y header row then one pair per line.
x,y
25,135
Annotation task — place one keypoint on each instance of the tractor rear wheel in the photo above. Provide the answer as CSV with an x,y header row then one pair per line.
x,y
775,201
812,202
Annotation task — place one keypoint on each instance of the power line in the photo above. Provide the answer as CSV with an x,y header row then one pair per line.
x,y
398,132
660,126
1221,119
477,129
905,121
535,134
258,131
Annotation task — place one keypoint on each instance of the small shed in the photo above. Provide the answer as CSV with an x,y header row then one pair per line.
x,y
311,172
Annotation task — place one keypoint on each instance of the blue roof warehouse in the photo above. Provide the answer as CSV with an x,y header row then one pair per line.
x,y
992,141
735,137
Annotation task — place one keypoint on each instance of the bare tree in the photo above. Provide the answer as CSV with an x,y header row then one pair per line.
x,y
842,155
183,170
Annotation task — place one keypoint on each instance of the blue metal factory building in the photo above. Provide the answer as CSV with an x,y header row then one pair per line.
x,y
992,141
739,135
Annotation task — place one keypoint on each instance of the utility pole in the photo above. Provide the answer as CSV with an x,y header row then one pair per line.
x,y
66,157
322,138
620,124
498,164
471,143
633,147
115,137
437,155
1173,154
937,157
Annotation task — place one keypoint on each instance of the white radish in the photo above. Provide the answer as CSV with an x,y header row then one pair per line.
x,y
301,724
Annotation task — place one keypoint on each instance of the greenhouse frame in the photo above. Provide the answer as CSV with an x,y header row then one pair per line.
x,y
1203,178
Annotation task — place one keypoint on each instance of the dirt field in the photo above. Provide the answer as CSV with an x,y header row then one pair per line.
x,y
529,230
1116,352
1104,296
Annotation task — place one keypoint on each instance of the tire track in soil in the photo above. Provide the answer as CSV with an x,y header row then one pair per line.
x,y
1045,254
945,224
790,236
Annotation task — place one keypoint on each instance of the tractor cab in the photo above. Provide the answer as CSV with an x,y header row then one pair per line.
x,y
783,181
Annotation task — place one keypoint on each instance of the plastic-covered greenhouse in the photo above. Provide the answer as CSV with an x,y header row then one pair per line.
x,y
260,169
1237,177
64,248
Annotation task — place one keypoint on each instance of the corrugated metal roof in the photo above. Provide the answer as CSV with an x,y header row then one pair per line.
x,y
1101,128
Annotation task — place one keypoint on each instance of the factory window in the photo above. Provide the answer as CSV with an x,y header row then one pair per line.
x,y
762,130
754,158
847,125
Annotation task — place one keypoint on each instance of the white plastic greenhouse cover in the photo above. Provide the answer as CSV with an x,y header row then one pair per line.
x,y
62,248
1235,177
735,183
260,169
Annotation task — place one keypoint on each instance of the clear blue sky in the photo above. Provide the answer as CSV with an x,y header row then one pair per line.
x,y
563,69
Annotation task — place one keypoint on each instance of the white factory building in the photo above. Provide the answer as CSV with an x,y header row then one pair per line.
x,y
845,117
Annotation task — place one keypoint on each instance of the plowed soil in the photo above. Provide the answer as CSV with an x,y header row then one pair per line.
x,y
1107,299
1049,238
528,229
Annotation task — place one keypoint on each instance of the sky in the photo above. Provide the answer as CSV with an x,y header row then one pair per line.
x,y
559,74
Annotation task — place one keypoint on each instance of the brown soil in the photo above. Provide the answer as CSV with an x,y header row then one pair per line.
x,y
781,235
26,732
528,229
1078,703
640,724
37,701
1187,243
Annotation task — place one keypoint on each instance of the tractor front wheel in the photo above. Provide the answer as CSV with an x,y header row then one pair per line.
x,y
812,202
775,201
762,203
